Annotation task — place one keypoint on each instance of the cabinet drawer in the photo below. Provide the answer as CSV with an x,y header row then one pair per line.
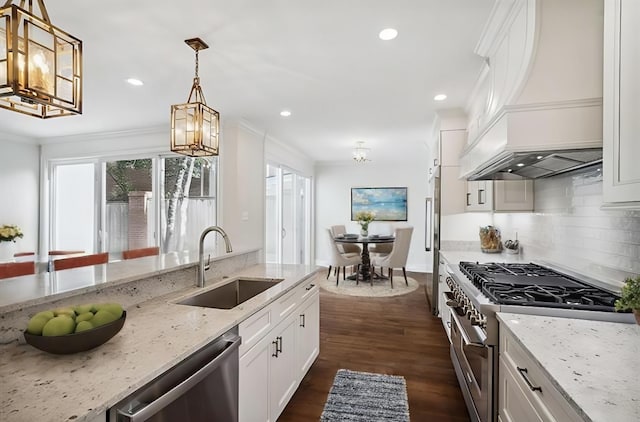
x,y
308,288
546,398
254,328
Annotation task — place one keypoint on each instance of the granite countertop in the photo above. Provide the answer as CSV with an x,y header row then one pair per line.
x,y
595,365
156,336
29,290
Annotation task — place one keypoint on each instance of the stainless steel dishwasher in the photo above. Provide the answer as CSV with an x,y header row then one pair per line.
x,y
203,387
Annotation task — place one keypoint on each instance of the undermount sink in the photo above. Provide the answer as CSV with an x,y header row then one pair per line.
x,y
231,294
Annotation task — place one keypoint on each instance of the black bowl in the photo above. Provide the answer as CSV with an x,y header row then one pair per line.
x,y
76,342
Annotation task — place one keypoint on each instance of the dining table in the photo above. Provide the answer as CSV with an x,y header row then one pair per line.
x,y
366,274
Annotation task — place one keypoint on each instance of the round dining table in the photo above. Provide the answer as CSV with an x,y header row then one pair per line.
x,y
365,269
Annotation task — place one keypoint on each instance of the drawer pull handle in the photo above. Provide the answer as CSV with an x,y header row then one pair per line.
x,y
275,343
279,347
523,372
303,320
310,286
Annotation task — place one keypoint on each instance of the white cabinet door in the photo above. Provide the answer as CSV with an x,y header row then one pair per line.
x,y
479,195
621,102
513,403
283,372
513,195
253,401
308,335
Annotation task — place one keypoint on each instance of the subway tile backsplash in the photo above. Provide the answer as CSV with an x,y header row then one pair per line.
x,y
568,227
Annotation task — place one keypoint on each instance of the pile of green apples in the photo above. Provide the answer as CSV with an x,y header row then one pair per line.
x,y
63,321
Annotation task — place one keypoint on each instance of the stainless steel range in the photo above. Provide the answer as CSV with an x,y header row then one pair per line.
x,y
479,290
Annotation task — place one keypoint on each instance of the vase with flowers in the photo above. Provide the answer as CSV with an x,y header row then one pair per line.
x,y
8,235
364,218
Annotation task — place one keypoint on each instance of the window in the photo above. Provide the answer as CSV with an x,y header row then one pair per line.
x,y
113,205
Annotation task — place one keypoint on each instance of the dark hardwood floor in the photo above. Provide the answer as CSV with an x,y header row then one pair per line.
x,y
394,335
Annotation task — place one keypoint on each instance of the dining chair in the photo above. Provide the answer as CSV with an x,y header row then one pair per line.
x,y
342,260
15,269
344,247
80,261
397,258
139,253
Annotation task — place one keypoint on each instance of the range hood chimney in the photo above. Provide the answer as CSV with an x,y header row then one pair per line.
x,y
536,110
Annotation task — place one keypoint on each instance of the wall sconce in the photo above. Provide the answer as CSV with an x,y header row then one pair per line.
x,y
360,153
40,64
194,125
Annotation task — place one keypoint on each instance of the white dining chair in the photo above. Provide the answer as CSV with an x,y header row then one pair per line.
x,y
397,258
342,260
344,247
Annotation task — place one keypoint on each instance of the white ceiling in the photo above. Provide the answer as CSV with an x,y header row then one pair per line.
x,y
321,60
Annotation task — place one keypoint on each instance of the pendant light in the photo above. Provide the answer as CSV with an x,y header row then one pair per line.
x,y
194,125
40,64
360,153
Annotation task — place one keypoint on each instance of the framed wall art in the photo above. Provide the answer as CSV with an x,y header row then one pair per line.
x,y
387,204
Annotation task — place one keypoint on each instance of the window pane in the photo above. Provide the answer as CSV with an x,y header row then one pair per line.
x,y
188,203
129,205
73,221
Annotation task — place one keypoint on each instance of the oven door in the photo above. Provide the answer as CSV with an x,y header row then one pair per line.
x,y
473,362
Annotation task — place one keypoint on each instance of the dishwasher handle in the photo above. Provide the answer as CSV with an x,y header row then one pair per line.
x,y
170,396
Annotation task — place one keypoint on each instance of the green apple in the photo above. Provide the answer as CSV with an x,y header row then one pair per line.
x,y
47,314
114,308
36,324
102,317
59,326
86,316
83,309
83,326
65,311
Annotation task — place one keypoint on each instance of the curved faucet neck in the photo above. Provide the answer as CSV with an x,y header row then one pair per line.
x,y
201,265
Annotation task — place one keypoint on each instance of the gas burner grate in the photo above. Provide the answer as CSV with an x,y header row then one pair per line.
x,y
528,284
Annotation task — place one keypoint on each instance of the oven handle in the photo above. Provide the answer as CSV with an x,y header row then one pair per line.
x,y
465,336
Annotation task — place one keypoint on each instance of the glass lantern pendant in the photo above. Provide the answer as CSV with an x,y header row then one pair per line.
x,y
40,65
195,126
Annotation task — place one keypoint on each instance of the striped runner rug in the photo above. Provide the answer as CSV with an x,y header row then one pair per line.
x,y
366,397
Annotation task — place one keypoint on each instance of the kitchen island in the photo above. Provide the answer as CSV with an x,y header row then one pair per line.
x,y
158,334
593,364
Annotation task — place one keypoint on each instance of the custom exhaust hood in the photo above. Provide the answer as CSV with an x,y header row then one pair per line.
x,y
536,110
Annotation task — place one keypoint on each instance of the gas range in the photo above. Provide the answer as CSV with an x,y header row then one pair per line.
x,y
479,290
529,284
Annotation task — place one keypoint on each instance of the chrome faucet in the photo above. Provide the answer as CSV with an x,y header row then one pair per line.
x,y
201,267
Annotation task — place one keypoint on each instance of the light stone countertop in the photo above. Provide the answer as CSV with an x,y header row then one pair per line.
x,y
158,334
29,290
595,365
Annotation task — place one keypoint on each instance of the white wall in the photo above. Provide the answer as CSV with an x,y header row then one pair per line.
x,y
333,185
242,186
19,181
569,228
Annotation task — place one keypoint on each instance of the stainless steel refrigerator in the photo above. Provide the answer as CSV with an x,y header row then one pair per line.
x,y
448,196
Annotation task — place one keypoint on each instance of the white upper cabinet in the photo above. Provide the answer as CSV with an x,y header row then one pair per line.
x,y
621,102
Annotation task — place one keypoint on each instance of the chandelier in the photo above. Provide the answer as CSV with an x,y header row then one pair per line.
x,y
194,125
40,64
360,153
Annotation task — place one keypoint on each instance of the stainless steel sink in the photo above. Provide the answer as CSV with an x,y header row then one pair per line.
x,y
231,294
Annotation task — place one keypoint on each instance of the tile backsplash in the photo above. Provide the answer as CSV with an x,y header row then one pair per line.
x,y
568,227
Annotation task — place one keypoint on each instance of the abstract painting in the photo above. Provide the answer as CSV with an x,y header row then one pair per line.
x,y
388,204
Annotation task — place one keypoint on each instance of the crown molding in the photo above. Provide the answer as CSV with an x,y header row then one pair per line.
x,y
94,136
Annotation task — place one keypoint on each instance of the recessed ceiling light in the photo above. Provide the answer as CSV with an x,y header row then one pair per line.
x,y
388,34
285,113
135,82
440,97
520,165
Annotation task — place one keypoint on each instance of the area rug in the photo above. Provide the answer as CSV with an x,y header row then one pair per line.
x,y
366,397
380,288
